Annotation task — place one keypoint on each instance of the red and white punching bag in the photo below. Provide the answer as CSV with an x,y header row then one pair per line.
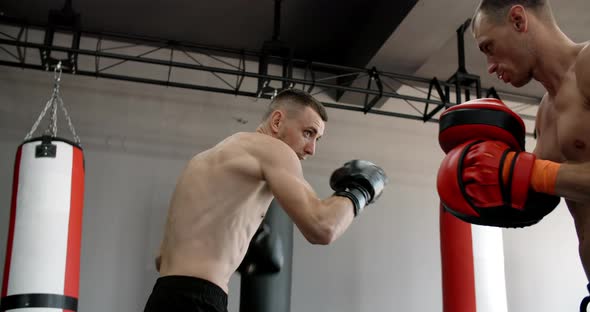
x,y
41,271
472,266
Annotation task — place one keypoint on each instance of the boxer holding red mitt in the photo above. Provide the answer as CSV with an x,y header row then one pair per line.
x,y
487,178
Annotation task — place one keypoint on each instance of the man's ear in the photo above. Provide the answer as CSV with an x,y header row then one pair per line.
x,y
276,118
518,18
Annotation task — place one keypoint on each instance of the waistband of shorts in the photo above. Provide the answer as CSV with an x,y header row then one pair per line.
x,y
194,284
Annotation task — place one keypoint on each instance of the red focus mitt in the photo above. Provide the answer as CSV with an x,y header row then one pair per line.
x,y
480,119
487,183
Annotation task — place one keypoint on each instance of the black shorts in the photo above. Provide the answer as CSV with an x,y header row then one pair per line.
x,y
186,294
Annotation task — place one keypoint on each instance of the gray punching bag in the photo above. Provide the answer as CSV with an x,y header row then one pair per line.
x,y
262,291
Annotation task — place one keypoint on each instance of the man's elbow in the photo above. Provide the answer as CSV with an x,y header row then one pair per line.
x,y
322,236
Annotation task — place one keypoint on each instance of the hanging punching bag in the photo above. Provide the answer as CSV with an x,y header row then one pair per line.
x,y
42,264
270,290
472,259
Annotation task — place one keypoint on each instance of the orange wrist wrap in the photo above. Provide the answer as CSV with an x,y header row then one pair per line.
x,y
543,176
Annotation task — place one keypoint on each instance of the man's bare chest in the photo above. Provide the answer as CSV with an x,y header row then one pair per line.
x,y
564,126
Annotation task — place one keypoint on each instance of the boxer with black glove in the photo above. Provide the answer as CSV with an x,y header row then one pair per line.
x,y
223,194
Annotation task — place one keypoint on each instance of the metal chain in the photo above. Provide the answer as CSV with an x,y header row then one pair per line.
x,y
53,102
52,126
36,124
63,107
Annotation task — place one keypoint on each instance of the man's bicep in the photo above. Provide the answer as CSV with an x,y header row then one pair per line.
x,y
289,188
283,173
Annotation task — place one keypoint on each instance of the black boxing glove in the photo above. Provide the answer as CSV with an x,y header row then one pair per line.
x,y
359,180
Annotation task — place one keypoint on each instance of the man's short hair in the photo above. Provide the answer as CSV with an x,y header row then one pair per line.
x,y
498,9
295,100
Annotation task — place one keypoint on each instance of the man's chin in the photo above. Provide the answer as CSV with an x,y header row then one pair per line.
x,y
520,83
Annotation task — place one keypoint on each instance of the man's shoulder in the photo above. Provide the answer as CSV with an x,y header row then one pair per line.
x,y
255,139
583,58
262,145
585,51
582,70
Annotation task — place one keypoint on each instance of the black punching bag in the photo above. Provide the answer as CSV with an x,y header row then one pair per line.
x,y
266,269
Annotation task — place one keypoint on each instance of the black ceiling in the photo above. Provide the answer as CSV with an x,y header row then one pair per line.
x,y
346,32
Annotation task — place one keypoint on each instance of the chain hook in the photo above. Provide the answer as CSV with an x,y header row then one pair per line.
x,y
57,75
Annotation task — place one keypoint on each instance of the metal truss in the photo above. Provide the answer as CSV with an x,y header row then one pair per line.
x,y
231,71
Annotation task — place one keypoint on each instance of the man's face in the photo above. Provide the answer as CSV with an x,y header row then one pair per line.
x,y
506,50
301,130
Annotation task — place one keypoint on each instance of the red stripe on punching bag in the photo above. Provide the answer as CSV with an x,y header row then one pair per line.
x,y
458,277
72,273
11,221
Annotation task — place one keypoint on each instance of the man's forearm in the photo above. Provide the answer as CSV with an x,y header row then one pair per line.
x,y
573,182
339,212
328,219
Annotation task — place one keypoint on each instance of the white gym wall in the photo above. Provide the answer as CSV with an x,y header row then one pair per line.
x,y
137,138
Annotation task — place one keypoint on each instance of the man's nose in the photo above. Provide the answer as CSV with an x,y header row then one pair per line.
x,y
492,66
310,148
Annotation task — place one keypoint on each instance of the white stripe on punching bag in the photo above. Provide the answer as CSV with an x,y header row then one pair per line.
x,y
41,225
488,260
43,253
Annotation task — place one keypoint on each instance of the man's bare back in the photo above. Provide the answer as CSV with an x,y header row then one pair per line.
x,y
220,200
563,135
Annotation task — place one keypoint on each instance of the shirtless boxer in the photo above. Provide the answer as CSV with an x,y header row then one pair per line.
x,y
224,192
522,41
